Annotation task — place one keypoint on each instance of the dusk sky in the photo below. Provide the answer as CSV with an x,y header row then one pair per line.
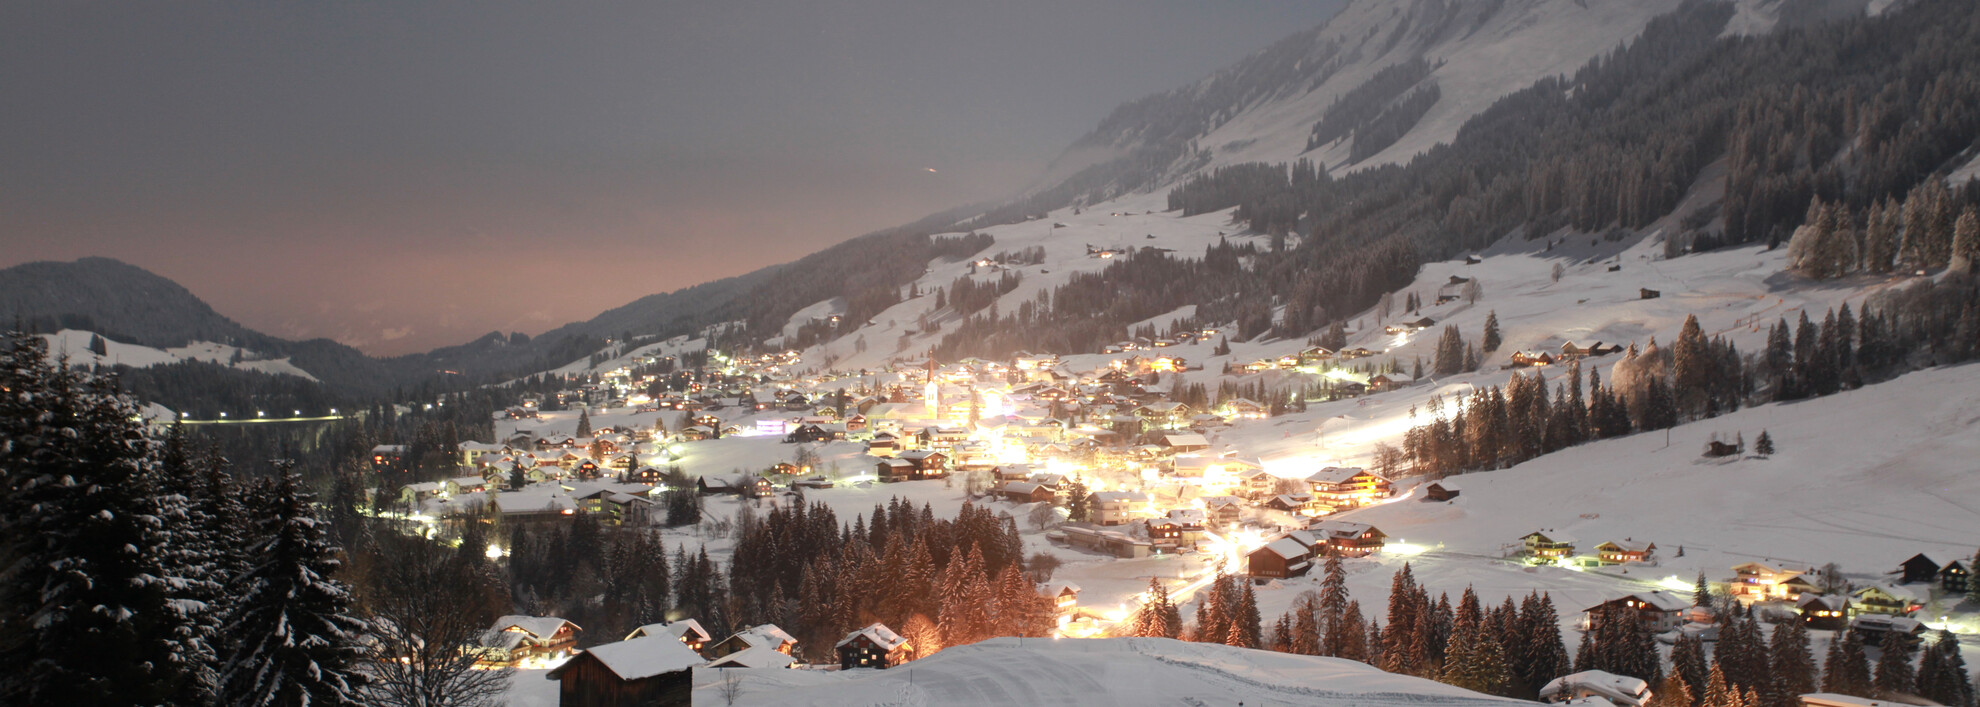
x,y
400,176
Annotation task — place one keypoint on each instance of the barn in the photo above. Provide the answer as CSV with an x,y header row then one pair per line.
x,y
650,670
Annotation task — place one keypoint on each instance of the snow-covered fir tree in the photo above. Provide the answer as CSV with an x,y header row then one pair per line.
x,y
94,616
296,641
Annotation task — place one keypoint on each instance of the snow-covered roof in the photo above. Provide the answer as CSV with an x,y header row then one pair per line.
x,y
1619,689
754,657
1660,600
879,634
765,635
1120,497
1186,440
1334,474
538,626
642,657
1286,547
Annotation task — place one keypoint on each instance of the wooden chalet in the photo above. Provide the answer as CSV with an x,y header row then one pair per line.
x,y
1348,538
388,457
1918,569
1574,350
1222,511
1955,577
1655,611
688,631
1548,545
1348,487
1279,559
875,646
1532,358
1770,581
1027,492
1406,327
1440,491
1874,628
894,469
1166,536
761,636
1388,381
519,640
1291,502
1255,482
1616,552
925,464
1890,599
1827,613
1065,595
1185,442
643,671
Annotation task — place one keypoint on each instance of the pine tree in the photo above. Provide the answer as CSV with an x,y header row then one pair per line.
x,y
1895,675
1942,675
1489,340
1688,664
297,639
1693,366
1973,578
1450,352
1244,629
1332,608
1764,444
584,423
1672,692
92,613
1793,663
1305,639
1966,240
1701,594
1544,656
1718,692
1846,670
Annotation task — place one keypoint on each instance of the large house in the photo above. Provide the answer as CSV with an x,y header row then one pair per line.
x,y
1770,581
1348,538
1656,611
1890,599
688,631
1118,507
646,670
1616,552
763,636
875,646
1548,545
1348,487
519,640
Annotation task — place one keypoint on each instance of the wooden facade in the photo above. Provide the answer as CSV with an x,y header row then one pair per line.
x,y
584,681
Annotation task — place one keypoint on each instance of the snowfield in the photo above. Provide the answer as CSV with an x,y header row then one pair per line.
x,y
1129,672
75,344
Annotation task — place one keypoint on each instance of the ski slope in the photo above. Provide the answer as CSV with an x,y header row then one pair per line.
x,y
1123,672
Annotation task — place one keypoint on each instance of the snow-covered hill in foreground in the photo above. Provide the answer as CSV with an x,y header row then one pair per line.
x,y
75,345
1130,672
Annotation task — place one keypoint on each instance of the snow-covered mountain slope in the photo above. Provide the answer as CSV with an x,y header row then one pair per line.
x,y
1863,478
1096,673
75,345
1265,108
